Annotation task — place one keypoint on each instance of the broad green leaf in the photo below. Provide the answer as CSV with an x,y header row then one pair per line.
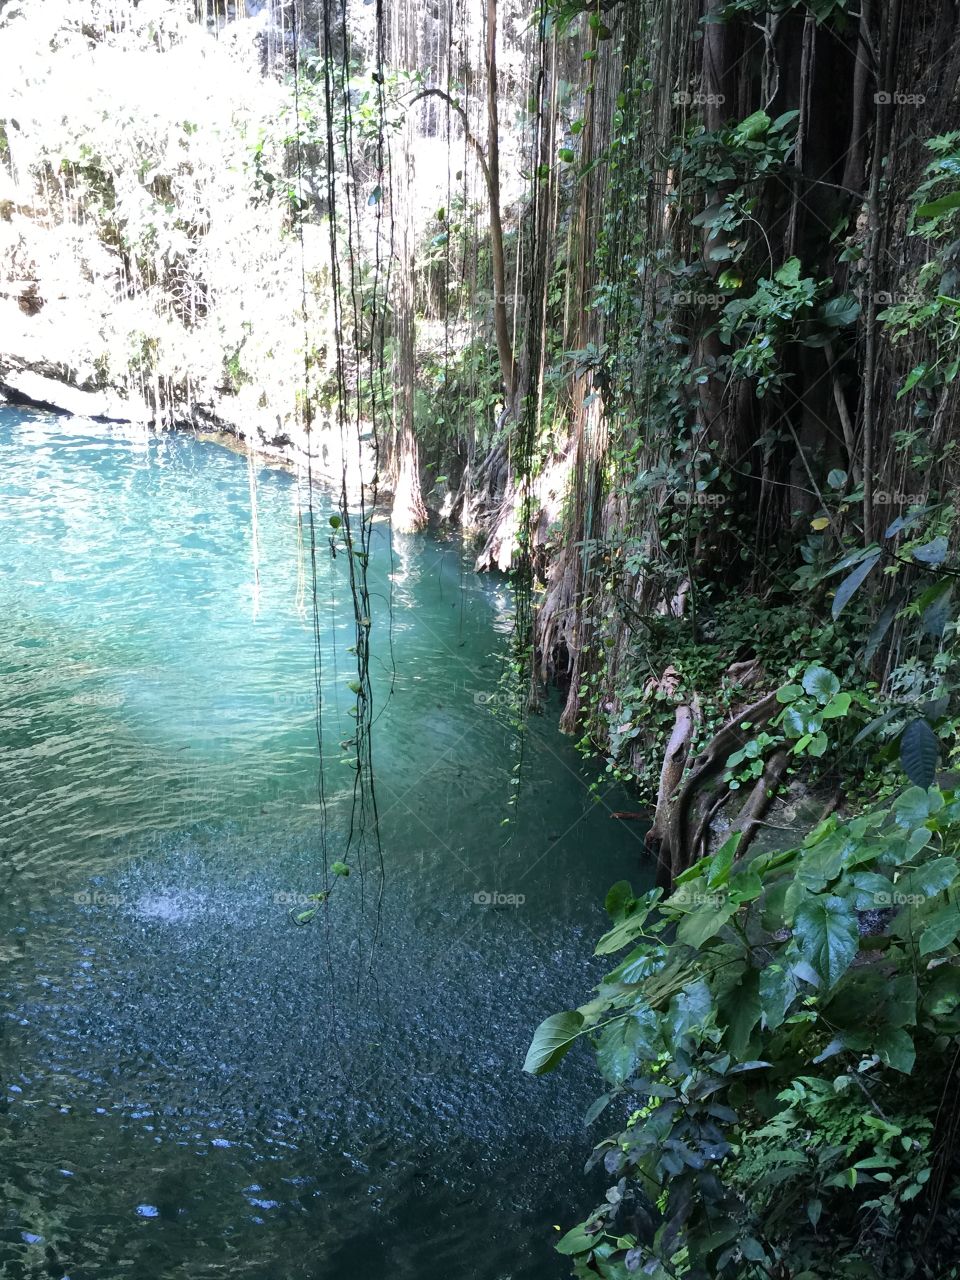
x,y
839,312
820,683
900,1001
871,891
777,990
789,693
929,879
896,1049
719,869
741,1012
826,932
838,706
850,584
551,1040
919,752
915,806
639,964
944,994
934,552
705,922
937,207
622,934
624,1043
794,723
578,1241
756,126
942,928
619,898
689,1008
596,1107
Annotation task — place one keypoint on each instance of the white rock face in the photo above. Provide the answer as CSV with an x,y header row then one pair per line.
x,y
47,393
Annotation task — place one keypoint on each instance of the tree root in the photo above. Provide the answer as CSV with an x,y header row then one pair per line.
x,y
674,762
758,801
670,838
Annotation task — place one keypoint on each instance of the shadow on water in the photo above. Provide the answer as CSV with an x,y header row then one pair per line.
x,y
194,1085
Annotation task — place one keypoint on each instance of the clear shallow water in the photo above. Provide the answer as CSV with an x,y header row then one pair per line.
x,y
192,1086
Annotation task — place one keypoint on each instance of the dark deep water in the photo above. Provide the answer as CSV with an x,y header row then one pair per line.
x,y
192,1086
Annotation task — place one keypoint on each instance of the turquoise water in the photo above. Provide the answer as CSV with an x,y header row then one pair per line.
x,y
192,1085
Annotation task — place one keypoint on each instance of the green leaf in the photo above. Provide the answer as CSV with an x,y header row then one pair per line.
x,y
619,899
741,1010
936,207
789,693
567,155
335,522
895,1047
705,922
826,932
622,934
578,1241
915,806
622,1044
794,723
551,1040
944,994
597,1107
838,313
838,706
934,552
340,869
900,1001
919,752
882,626
942,928
820,683
777,989
850,584
756,126
689,1008
930,879
718,872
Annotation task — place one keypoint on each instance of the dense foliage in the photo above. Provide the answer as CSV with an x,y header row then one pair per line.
x,y
780,1044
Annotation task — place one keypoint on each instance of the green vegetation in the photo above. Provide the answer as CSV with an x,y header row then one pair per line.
x,y
659,301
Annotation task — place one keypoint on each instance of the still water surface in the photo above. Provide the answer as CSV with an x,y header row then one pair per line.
x,y
193,1086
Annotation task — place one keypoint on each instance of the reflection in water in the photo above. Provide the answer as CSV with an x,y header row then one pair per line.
x,y
194,1085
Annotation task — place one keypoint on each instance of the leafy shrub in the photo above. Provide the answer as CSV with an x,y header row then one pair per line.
x,y
780,1042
